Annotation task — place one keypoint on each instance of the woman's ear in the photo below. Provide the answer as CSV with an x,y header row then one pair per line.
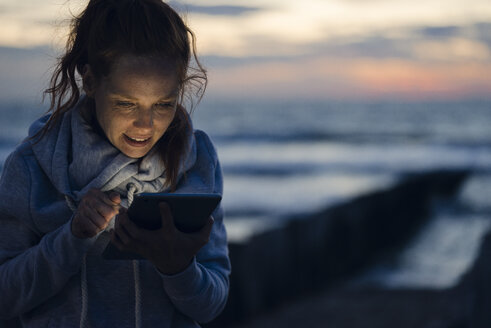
x,y
89,81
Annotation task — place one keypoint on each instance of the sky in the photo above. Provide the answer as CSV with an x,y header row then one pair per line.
x,y
366,50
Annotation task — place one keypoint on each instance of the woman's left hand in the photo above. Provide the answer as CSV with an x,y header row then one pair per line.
x,y
169,249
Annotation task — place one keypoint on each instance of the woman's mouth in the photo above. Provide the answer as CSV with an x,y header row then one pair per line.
x,y
137,141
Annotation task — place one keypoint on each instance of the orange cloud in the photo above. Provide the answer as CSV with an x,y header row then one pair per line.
x,y
358,78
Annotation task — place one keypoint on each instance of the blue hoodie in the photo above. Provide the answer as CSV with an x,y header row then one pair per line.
x,y
50,278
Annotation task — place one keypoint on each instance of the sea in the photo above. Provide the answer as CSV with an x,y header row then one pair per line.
x,y
292,157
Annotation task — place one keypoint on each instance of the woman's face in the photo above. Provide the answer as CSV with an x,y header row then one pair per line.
x,y
135,103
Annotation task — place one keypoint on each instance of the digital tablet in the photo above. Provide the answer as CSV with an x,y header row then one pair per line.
x,y
190,213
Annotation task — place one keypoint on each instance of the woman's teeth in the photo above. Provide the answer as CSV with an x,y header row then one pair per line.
x,y
139,140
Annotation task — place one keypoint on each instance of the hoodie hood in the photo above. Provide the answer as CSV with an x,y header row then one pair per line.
x,y
77,158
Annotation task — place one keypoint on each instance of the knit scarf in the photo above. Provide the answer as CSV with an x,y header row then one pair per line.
x,y
77,158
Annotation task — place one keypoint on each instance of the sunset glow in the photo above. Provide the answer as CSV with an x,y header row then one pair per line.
x,y
343,79
323,49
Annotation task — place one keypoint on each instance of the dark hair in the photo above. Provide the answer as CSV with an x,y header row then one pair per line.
x,y
108,29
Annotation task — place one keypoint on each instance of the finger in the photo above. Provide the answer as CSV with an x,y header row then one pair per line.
x,y
107,212
86,228
97,194
113,199
206,230
95,217
95,199
166,218
204,234
87,213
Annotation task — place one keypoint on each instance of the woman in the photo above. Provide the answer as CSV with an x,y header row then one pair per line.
x,y
66,188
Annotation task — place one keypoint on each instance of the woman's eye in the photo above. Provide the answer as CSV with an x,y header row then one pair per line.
x,y
165,105
124,104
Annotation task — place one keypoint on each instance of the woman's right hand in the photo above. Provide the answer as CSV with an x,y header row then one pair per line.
x,y
95,211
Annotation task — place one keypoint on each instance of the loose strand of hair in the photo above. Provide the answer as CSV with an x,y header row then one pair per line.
x,y
63,91
196,80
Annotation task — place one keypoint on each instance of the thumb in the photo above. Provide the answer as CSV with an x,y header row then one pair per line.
x,y
206,230
203,235
115,197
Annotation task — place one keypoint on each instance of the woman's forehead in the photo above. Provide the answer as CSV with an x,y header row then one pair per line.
x,y
131,74
132,64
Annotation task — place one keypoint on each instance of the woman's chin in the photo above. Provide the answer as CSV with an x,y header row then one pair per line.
x,y
134,153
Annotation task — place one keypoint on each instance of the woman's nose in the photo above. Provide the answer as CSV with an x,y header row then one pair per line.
x,y
144,119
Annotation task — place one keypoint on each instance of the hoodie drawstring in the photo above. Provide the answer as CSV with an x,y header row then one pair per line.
x,y
131,188
136,267
71,204
136,276
85,294
83,274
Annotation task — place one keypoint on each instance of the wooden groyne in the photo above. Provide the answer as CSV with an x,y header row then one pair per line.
x,y
314,251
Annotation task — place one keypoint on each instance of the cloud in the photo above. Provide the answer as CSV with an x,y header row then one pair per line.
x,y
375,46
440,31
445,43
483,32
413,63
470,42
477,32
421,43
455,49
218,10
